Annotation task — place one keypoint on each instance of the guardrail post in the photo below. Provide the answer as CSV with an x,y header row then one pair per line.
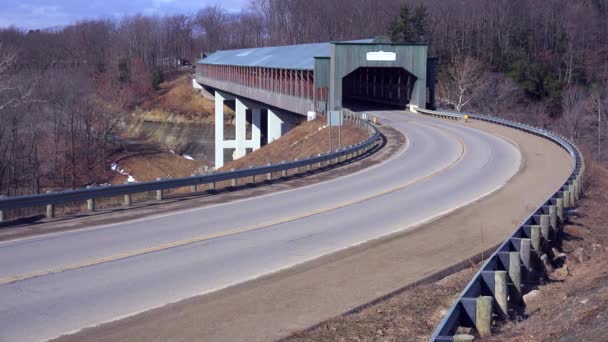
x,y
567,199
319,164
50,208
212,185
194,188
234,180
2,217
500,292
544,227
577,192
269,175
159,193
483,316
559,203
553,220
128,200
283,172
572,196
90,202
525,250
535,239
515,274
297,168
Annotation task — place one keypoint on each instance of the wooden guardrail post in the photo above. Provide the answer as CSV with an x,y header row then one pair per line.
x,y
553,220
525,251
234,181
194,188
567,199
500,292
559,203
283,172
483,315
544,227
269,174
159,193
90,202
50,208
515,274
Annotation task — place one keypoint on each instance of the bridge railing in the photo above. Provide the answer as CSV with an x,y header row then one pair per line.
x,y
497,290
304,165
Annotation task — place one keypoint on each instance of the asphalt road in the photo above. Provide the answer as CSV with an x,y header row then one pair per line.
x,y
60,283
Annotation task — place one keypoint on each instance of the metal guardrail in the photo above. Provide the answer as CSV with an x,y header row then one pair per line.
x,y
517,265
89,194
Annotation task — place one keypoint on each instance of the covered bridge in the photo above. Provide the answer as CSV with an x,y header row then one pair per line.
x,y
288,81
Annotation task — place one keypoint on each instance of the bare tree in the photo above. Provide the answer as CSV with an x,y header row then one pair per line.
x,y
598,105
573,108
459,82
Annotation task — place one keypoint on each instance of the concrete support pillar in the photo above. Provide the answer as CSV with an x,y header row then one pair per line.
x,y
219,130
275,125
256,126
500,292
241,128
483,313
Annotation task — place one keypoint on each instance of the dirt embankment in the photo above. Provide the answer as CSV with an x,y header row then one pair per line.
x,y
573,305
170,135
305,140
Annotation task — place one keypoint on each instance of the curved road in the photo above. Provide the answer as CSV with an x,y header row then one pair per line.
x,y
60,283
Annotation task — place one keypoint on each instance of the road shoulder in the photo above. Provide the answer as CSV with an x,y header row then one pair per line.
x,y
275,305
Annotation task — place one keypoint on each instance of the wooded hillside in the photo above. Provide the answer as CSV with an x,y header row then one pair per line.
x,y
63,90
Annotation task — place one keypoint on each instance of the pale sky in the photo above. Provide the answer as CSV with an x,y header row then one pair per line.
x,y
39,14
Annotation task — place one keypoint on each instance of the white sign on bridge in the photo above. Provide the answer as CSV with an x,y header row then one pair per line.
x,y
381,56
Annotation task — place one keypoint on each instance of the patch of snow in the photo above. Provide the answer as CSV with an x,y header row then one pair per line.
x,y
172,151
187,156
130,178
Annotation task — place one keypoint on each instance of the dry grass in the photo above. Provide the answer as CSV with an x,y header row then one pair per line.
x,y
157,165
574,306
179,103
308,139
410,316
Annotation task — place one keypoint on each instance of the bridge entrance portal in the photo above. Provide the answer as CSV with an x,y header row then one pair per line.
x,y
374,86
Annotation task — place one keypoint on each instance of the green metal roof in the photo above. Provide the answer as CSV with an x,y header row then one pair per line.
x,y
299,57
